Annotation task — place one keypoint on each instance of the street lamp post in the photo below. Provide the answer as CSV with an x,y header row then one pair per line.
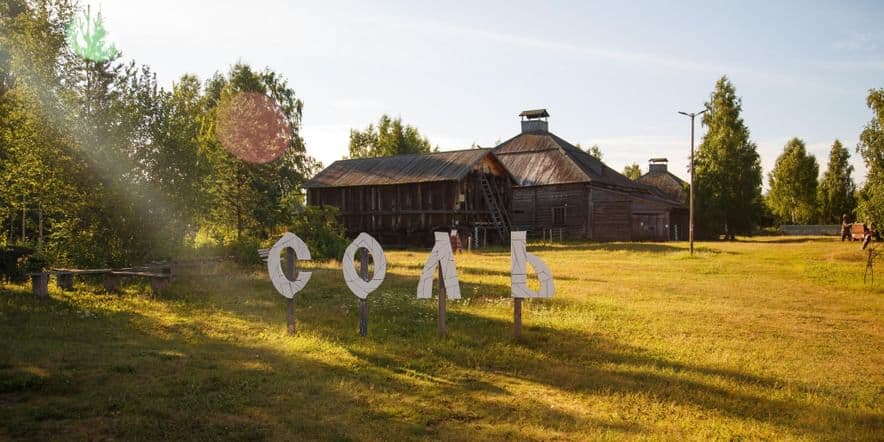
x,y
691,221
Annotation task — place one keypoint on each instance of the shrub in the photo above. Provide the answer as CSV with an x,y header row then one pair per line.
x,y
320,229
245,250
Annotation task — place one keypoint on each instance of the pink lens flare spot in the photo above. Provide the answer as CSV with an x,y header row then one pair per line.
x,y
251,126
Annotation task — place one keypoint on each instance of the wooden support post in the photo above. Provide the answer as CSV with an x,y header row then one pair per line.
x,y
157,285
517,317
112,283
291,316
64,280
290,274
443,297
363,303
40,285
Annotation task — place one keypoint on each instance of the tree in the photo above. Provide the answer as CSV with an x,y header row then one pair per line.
x,y
836,195
252,198
389,138
727,167
871,146
793,184
632,171
595,151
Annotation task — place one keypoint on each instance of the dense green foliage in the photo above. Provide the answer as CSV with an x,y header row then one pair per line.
x,y
871,147
727,168
632,171
317,227
99,165
793,184
390,137
836,194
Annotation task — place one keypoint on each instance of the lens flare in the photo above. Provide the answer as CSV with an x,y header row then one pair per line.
x,y
251,126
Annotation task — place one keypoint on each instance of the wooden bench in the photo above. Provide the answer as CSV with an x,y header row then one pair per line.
x,y
263,254
65,277
158,281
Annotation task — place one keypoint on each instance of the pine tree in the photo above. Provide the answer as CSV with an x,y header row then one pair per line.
x,y
793,184
728,169
836,196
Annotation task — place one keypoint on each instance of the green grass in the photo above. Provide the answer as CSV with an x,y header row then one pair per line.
x,y
759,339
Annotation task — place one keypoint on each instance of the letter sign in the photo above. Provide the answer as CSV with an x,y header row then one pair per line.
x,y
360,287
441,255
521,258
274,265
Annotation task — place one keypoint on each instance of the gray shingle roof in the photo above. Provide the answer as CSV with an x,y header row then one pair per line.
x,y
400,169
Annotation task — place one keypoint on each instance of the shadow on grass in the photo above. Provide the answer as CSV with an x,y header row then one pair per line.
x,y
797,240
636,247
480,356
124,375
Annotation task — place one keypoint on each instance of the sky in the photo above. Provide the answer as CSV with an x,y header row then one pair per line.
x,y
609,73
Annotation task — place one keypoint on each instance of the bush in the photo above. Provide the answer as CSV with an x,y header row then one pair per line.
x,y
320,229
245,250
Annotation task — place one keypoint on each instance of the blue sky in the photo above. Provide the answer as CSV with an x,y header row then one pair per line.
x,y
609,74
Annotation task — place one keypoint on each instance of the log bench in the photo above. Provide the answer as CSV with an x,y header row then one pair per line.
x,y
158,281
64,278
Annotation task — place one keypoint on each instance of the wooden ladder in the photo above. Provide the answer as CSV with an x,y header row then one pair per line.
x,y
494,202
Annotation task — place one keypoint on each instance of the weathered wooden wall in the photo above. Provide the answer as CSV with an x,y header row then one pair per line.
x,y
533,209
594,213
408,213
650,220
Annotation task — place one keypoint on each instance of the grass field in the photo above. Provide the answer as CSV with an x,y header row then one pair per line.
x,y
773,338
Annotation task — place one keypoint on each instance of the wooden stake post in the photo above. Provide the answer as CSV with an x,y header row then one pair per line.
x,y
290,274
443,328
517,316
363,303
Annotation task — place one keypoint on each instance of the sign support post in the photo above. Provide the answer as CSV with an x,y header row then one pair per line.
x,y
363,302
443,328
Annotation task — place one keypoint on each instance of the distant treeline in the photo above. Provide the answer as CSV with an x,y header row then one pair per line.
x,y
728,175
796,196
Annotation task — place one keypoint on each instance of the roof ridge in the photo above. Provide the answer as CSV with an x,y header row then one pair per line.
x,y
417,154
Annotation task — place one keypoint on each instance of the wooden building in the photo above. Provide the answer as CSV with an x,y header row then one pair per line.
x,y
666,182
560,187
401,200
672,187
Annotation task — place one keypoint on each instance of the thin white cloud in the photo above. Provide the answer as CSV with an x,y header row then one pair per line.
x,y
858,42
417,25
